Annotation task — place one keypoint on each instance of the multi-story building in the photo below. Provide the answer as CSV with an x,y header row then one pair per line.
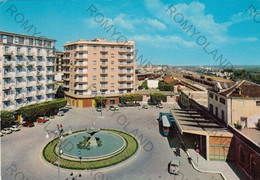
x,y
59,61
98,66
27,70
239,103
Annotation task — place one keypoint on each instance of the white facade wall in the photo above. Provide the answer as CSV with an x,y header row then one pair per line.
x,y
152,83
27,70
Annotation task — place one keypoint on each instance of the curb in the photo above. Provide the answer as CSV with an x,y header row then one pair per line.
x,y
203,171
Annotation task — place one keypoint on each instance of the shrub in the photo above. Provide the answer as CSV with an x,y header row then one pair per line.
x,y
6,118
33,111
157,97
238,126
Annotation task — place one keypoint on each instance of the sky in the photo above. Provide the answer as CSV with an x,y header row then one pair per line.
x,y
216,31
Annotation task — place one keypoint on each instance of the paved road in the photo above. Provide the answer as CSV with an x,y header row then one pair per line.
x,y
21,151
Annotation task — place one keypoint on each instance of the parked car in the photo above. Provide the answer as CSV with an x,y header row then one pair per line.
x,y
174,166
41,120
28,124
116,108
159,105
145,107
98,109
112,107
60,113
46,118
52,117
68,106
15,128
6,131
121,105
1,134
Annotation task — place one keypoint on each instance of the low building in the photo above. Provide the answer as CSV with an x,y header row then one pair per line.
x,y
239,103
152,83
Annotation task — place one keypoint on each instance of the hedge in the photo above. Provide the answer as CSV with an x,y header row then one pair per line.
x,y
33,111
51,156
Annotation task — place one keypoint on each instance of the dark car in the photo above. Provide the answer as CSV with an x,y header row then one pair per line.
x,y
28,124
159,105
98,109
121,104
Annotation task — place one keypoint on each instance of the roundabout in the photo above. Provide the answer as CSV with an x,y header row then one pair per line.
x,y
91,149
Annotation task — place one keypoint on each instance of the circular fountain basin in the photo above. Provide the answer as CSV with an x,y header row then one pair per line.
x,y
111,144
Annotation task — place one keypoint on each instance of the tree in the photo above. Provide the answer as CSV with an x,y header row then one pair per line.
x,y
100,100
157,97
6,118
59,93
144,85
165,87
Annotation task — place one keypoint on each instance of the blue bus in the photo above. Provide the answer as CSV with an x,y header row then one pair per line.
x,y
169,116
165,125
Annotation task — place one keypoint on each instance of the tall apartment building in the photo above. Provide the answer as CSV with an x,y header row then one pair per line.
x,y
99,66
59,61
27,70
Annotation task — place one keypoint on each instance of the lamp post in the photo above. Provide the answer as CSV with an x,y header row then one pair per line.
x,y
60,152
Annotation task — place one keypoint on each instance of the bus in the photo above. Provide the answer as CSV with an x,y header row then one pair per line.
x,y
169,116
165,125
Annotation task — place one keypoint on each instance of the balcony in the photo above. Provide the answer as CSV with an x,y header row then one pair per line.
x,y
39,83
50,82
66,78
20,74
19,96
66,85
40,63
39,54
103,81
51,55
50,91
81,72
30,54
30,94
103,65
30,63
20,85
81,65
103,73
8,53
7,63
39,74
39,93
81,57
125,65
50,73
126,87
125,80
7,86
19,63
50,63
103,88
19,54
7,98
104,50
31,73
126,72
8,75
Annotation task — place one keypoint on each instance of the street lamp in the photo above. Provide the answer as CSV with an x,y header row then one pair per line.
x,y
60,153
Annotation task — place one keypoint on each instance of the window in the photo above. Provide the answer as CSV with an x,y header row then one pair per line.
x,y
6,48
112,69
38,51
94,69
112,62
112,77
94,62
94,47
257,103
18,50
128,48
112,55
94,54
112,85
222,100
216,111
121,48
29,50
128,56
94,77
112,47
216,97
211,95
80,47
222,115
103,47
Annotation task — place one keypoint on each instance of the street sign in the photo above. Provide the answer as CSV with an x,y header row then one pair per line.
x,y
197,151
79,152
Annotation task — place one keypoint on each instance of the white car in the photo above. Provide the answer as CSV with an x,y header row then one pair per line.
x,y
46,118
15,128
174,166
68,106
60,113
6,131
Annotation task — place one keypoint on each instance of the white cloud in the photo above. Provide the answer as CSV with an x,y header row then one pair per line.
x,y
157,24
159,41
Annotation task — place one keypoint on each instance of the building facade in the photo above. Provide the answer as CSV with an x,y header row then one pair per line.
x,y
59,61
98,66
27,70
238,104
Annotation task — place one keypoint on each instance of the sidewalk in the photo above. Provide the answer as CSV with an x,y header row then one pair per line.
x,y
216,166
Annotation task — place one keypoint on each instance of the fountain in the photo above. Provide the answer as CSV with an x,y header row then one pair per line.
x,y
92,142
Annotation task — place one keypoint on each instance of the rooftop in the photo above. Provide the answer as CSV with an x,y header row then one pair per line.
x,y
100,41
252,134
242,89
196,122
19,35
